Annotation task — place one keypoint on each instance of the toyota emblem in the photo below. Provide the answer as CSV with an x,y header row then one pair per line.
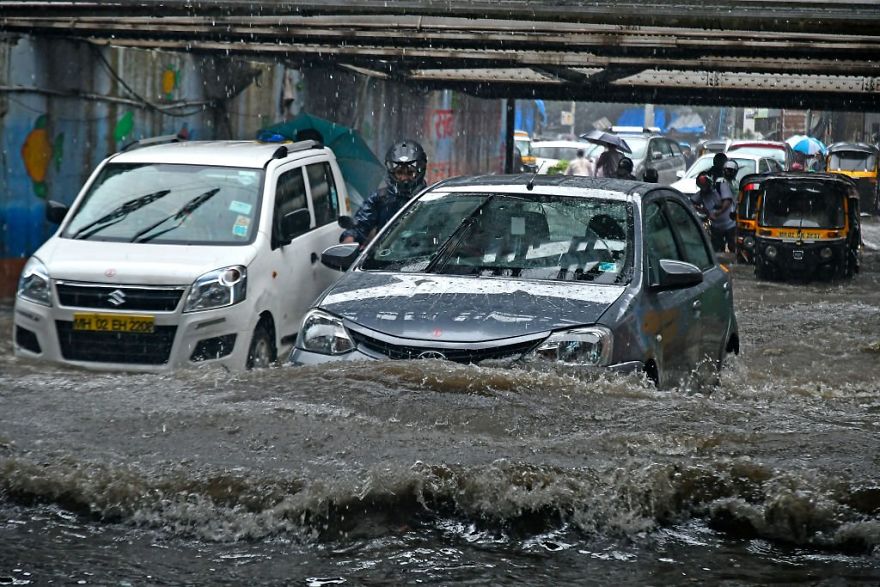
x,y
431,355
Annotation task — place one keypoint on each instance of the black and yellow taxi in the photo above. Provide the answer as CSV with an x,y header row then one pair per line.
x,y
746,206
806,225
861,162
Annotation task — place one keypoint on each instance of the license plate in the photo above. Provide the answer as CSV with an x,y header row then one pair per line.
x,y
113,323
798,255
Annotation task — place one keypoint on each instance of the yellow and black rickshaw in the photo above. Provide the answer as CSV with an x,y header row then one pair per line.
x,y
860,162
806,225
746,204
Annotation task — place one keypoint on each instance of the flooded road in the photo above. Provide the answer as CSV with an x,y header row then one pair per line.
x,y
391,473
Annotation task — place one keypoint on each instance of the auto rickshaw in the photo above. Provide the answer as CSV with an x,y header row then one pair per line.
x,y
746,204
806,225
860,162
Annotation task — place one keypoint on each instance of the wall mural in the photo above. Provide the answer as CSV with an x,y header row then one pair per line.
x,y
170,82
124,126
38,151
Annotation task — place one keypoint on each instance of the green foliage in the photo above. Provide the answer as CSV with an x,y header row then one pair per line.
x,y
559,168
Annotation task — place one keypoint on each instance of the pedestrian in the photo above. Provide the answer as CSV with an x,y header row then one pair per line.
x,y
405,163
580,165
688,155
717,169
606,165
625,169
717,206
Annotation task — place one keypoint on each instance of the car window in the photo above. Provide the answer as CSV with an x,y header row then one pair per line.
x,y
764,167
497,235
659,240
662,145
169,203
290,195
324,195
852,161
676,151
690,235
803,204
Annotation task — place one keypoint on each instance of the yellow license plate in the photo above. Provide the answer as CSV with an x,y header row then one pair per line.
x,y
112,323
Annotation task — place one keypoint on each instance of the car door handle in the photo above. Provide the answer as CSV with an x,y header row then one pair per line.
x,y
315,258
697,304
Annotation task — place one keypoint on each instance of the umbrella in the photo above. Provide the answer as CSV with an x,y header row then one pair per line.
x,y
607,139
360,167
806,145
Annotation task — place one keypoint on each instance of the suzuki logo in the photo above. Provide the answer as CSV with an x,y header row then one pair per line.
x,y
116,297
431,355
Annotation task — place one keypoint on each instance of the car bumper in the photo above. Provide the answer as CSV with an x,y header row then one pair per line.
x,y
179,340
302,358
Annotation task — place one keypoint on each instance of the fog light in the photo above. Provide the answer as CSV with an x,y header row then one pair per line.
x,y
826,253
770,251
749,242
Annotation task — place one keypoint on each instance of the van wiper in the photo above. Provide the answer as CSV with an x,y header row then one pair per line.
x,y
118,214
181,215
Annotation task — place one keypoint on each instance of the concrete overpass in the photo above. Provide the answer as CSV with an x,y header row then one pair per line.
x,y
782,53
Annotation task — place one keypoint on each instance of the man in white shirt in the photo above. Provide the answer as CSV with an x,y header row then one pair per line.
x,y
580,166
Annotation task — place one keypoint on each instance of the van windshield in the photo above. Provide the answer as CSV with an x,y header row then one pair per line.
x,y
165,203
803,204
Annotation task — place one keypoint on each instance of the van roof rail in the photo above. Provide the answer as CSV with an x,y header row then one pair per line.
x,y
162,139
286,149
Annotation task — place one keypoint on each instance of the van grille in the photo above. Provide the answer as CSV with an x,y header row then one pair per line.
x,y
116,347
125,297
458,355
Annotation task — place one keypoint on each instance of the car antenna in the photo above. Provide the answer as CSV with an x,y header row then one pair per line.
x,y
531,185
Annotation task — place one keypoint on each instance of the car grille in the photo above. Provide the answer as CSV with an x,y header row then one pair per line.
x,y
459,355
116,347
125,297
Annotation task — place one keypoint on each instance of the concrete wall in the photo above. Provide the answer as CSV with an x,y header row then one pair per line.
x,y
66,106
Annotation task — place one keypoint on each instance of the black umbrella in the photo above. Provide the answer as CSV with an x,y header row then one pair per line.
x,y
607,139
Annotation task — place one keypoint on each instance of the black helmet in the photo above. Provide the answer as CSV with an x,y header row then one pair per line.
x,y
730,169
408,159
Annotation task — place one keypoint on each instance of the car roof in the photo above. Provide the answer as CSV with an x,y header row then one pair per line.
x,y
550,184
563,143
248,154
763,144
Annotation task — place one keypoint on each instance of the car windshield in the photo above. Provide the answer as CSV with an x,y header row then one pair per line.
x,y
163,203
852,161
778,154
567,153
558,238
803,204
524,146
638,145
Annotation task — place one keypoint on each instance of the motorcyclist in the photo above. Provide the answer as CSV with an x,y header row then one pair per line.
x,y
406,163
625,168
728,172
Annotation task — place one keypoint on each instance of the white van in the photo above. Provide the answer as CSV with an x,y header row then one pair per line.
x,y
182,253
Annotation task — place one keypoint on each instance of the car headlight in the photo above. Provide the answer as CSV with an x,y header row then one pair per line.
x,y
826,253
585,346
33,285
216,289
749,242
324,333
770,251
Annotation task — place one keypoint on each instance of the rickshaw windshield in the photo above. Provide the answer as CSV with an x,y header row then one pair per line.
x,y
803,204
852,161
747,203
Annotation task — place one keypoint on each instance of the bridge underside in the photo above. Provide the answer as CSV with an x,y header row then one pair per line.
x,y
780,53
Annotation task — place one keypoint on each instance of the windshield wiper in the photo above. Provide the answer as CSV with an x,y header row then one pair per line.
x,y
119,213
444,253
180,216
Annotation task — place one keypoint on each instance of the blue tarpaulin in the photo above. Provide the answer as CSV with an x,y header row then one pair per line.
x,y
636,117
527,113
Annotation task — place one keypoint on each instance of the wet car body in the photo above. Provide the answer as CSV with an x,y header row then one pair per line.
x,y
807,225
645,308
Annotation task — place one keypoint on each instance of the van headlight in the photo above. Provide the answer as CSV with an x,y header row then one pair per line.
x,y
324,333
33,285
216,289
583,346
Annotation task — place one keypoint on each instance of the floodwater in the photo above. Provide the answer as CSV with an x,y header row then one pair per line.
x,y
423,472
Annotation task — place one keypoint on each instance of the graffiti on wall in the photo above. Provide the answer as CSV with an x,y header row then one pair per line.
x,y
170,80
441,132
38,151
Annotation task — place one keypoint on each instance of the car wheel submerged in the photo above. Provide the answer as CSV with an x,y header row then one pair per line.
x,y
261,353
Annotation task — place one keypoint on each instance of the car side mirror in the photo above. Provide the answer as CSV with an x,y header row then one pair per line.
x,y
677,275
656,155
679,174
345,222
340,257
55,211
295,223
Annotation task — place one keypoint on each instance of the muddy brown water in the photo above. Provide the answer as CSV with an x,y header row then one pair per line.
x,y
422,472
